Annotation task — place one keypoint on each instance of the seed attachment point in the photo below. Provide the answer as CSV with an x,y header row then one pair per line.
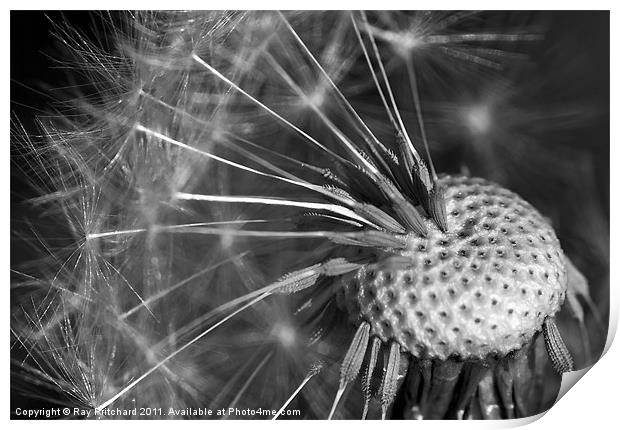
x,y
352,362
390,379
556,348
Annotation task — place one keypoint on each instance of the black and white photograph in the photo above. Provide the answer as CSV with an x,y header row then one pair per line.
x,y
307,214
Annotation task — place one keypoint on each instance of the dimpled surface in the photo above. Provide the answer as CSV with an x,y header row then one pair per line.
x,y
483,288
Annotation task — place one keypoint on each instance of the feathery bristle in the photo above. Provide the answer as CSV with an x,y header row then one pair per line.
x,y
208,205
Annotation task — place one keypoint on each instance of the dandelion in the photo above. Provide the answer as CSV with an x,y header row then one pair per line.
x,y
247,235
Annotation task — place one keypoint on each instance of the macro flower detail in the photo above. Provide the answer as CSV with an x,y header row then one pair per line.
x,y
484,287
304,215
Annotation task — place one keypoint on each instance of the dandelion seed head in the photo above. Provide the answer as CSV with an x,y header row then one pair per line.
x,y
483,276
241,207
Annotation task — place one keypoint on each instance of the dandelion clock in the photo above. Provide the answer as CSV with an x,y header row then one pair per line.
x,y
306,215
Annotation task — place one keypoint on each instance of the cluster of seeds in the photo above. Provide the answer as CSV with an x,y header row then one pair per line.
x,y
483,287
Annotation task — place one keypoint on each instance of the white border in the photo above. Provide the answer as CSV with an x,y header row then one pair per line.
x,y
591,403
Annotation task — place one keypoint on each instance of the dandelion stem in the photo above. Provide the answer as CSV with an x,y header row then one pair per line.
x,y
179,284
178,351
133,290
307,379
413,83
258,172
278,202
409,145
164,228
330,81
388,110
249,380
332,127
267,109
337,400
221,159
